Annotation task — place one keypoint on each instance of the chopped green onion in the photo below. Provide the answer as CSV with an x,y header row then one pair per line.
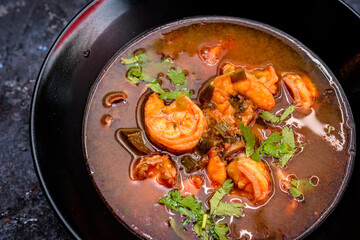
x,y
206,95
238,76
329,129
134,136
203,225
222,127
189,164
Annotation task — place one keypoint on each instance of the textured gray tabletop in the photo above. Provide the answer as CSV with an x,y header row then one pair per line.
x,y
27,30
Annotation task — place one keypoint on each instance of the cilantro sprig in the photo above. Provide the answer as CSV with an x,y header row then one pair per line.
x,y
135,66
249,139
135,75
299,187
279,146
267,116
205,224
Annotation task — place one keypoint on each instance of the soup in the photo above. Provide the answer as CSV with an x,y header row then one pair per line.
x,y
217,128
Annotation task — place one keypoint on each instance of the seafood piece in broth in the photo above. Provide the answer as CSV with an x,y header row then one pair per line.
x,y
178,129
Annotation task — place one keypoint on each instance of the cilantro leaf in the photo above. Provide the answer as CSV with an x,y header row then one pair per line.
x,y
172,201
267,116
229,209
177,77
294,192
221,229
273,138
286,157
287,112
256,155
191,203
302,185
134,65
249,138
219,194
288,136
174,95
134,74
155,86
295,182
276,150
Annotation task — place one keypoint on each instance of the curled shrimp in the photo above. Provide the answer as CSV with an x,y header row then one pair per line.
x,y
251,177
177,127
249,86
216,171
302,88
158,166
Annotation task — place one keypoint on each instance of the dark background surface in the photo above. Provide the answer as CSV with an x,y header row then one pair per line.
x,y
27,30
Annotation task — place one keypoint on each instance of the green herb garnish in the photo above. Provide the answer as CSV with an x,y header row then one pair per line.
x,y
229,209
267,116
283,150
177,77
330,128
134,65
294,192
204,225
174,95
273,138
135,75
155,86
288,136
287,112
249,139
219,194
174,202
220,229
138,58
299,187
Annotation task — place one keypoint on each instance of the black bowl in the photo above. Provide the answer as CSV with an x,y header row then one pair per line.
x,y
103,28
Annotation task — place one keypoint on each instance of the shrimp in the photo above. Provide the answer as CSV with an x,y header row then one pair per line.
x,y
268,77
158,166
192,185
303,89
216,171
249,87
177,127
251,177
210,55
251,91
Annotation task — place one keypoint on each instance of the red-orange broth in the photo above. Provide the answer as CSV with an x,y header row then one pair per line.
x,y
325,156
